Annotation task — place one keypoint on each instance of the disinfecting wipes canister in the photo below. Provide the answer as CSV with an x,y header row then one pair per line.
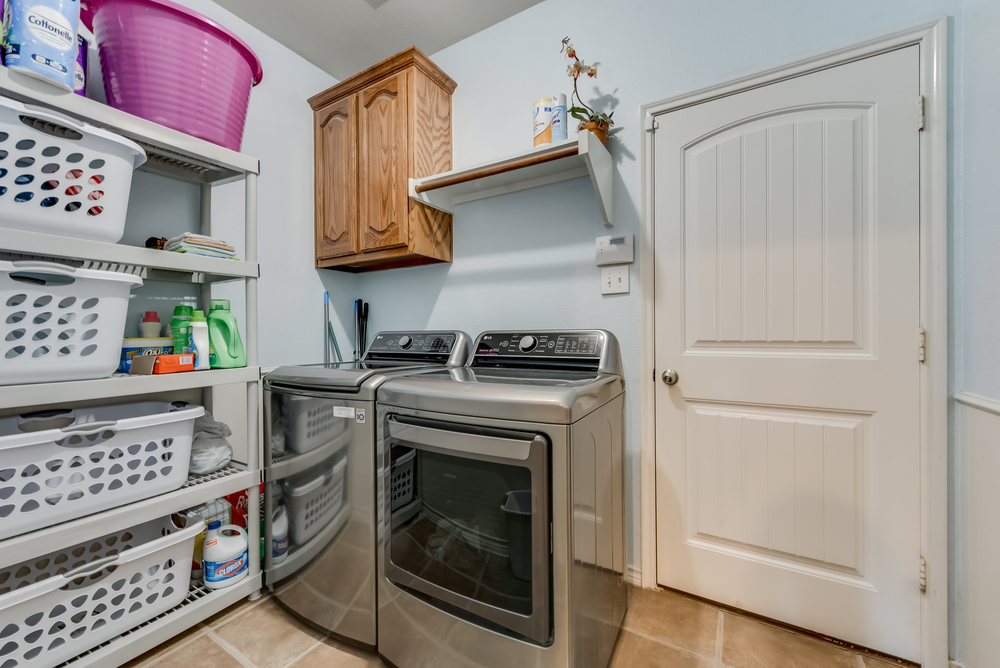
x,y
40,39
559,117
543,121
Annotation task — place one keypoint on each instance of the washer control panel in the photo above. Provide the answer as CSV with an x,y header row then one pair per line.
x,y
412,342
589,344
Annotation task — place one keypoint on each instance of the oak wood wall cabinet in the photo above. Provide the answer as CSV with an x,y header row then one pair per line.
x,y
373,132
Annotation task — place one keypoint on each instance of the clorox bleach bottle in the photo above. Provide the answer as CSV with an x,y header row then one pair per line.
x,y
225,560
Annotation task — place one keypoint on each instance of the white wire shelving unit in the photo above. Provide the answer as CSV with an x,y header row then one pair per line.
x,y
178,156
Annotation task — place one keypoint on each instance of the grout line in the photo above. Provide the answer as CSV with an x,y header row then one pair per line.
x,y
718,640
660,641
312,647
232,651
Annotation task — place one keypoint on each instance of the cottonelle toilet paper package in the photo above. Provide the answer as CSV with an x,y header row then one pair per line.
x,y
40,39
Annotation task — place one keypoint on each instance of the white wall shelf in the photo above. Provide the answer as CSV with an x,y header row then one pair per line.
x,y
582,156
120,385
200,604
171,153
148,263
196,490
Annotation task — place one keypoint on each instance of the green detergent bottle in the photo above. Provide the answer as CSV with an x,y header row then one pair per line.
x,y
225,346
180,328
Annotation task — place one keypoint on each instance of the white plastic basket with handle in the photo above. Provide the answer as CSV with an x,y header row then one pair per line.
x,y
59,322
60,464
61,604
310,422
62,176
313,501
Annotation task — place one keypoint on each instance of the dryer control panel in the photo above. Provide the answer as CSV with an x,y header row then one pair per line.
x,y
549,344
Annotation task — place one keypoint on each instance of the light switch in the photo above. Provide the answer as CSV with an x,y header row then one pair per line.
x,y
614,250
614,279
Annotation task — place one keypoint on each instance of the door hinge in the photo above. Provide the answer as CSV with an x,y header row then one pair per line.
x,y
923,575
922,345
651,123
920,112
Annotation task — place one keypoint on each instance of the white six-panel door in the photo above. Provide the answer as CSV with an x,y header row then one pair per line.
x,y
787,299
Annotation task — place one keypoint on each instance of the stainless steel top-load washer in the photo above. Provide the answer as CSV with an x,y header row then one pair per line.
x,y
319,469
501,525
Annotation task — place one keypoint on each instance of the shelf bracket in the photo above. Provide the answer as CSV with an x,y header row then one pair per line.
x,y
601,169
434,198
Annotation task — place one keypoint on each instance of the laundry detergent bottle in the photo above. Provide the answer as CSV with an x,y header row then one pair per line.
x,y
279,534
225,560
224,337
199,340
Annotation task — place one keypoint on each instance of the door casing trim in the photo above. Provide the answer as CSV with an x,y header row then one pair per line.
x,y
932,40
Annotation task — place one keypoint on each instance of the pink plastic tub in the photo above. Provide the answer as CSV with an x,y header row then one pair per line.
x,y
173,66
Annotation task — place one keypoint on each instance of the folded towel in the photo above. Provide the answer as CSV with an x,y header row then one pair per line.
x,y
204,251
188,237
214,249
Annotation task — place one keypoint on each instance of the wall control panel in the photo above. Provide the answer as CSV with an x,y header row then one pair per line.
x,y
615,250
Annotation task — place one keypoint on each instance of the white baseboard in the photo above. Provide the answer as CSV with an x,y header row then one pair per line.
x,y
634,576
955,664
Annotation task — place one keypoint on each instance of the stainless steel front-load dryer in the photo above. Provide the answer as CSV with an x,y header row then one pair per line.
x,y
319,467
501,524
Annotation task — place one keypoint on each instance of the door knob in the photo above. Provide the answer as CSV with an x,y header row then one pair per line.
x,y
670,377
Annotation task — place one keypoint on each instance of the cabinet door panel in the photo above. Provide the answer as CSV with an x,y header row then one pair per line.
x,y
383,184
336,135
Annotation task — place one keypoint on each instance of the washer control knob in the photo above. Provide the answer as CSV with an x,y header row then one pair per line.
x,y
405,342
527,343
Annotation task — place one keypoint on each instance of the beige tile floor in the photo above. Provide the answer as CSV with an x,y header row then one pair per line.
x,y
662,630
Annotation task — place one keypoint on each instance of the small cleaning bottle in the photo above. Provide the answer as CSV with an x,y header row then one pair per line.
x,y
199,340
279,534
225,560
149,328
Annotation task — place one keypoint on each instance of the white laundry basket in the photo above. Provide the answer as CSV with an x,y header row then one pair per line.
x,y
60,464
313,501
62,176
61,604
59,322
310,422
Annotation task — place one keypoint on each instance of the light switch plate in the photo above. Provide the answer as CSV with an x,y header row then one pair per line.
x,y
614,250
614,279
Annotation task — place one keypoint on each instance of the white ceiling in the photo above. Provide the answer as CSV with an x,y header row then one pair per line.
x,y
344,37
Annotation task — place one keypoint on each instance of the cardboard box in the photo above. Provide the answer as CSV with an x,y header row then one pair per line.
x,y
145,365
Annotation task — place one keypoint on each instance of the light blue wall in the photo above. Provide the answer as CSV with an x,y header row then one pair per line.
x,y
278,133
526,260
